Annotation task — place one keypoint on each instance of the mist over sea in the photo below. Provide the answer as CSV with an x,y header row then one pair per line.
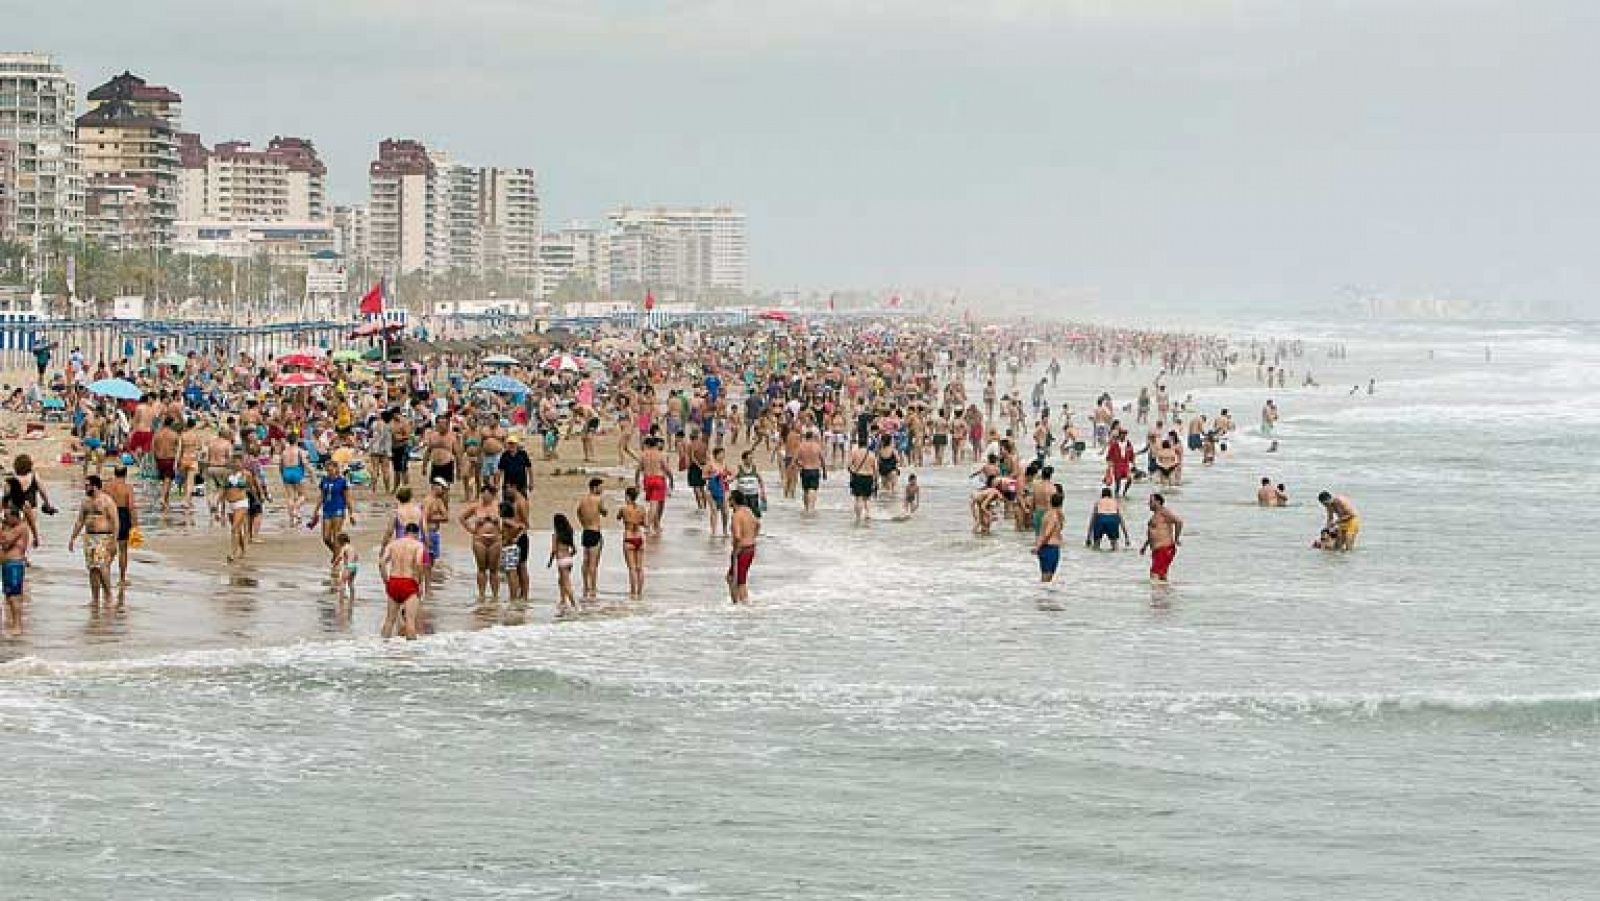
x,y
904,713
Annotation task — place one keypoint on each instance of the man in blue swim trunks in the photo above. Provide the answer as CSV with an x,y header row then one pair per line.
x,y
1048,546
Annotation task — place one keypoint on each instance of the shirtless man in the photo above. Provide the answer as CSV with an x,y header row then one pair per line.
x,y
164,447
400,565
121,494
1047,547
215,458
591,516
1163,535
863,479
813,465
653,477
435,513
1269,495
97,522
1342,519
699,456
744,528
15,539
491,444
143,430
189,448
1106,521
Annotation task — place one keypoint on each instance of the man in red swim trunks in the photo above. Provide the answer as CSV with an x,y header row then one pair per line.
x,y
1162,536
400,564
743,529
653,476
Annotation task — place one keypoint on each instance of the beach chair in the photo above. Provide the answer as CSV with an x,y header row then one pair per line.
x,y
53,409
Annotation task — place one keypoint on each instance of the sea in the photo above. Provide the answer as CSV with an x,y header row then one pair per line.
x,y
904,712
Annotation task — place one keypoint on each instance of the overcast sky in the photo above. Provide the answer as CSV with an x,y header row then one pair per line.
x,y
1140,152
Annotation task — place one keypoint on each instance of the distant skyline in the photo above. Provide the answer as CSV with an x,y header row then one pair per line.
x,y
1148,154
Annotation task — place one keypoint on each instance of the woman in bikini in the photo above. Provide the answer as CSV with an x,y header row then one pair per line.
x,y
563,550
633,519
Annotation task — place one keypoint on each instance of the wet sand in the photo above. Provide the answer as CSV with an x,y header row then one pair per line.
x,y
182,595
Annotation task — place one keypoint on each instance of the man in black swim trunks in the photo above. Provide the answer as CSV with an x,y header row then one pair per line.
x,y
591,515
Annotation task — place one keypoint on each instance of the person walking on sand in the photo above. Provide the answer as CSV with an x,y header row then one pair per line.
x,y
336,510
97,523
127,518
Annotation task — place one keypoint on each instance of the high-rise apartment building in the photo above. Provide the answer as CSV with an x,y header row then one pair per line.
x,y
352,225
45,187
509,211
402,209
427,212
148,99
126,141
283,183
8,187
193,164
697,250
575,253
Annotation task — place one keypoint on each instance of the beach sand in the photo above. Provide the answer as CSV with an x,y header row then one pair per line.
x,y
183,595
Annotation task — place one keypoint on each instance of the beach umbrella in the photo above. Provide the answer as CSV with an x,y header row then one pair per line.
x,y
301,380
177,361
500,360
346,356
561,363
375,353
500,384
773,316
301,360
117,389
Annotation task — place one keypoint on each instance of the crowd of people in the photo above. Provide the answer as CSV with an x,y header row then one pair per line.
x,y
735,413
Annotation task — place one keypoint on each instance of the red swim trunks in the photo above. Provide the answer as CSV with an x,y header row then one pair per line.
x,y
400,588
166,468
655,489
1161,561
739,566
139,442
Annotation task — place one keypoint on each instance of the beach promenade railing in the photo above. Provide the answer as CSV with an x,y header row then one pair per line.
x,y
116,339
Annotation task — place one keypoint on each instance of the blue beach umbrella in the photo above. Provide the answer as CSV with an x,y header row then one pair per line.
x,y
500,384
119,389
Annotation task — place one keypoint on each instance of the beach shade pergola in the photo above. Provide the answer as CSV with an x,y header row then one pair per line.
x,y
500,384
116,389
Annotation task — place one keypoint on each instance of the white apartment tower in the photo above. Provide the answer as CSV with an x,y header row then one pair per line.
x,y
697,250
402,205
41,185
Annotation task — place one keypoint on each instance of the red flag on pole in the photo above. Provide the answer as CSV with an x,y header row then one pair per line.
x,y
649,300
372,301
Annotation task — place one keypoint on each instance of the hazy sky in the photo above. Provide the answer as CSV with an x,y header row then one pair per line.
x,y
1142,151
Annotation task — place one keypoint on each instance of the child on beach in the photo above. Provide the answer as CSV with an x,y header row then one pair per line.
x,y
913,496
346,564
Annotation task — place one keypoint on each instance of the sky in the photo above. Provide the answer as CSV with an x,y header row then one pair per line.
x,y
1142,154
